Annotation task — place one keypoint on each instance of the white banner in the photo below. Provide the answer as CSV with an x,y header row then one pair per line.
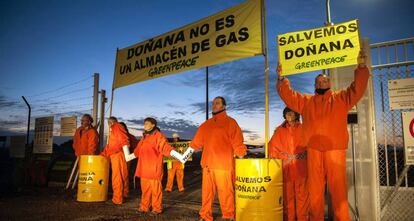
x,y
43,142
68,126
408,130
401,93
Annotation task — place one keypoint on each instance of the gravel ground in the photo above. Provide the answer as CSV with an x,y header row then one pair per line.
x,y
55,203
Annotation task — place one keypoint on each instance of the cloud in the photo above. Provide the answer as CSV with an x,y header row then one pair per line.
x,y
46,111
186,128
179,113
9,104
251,135
242,83
173,105
11,122
8,123
8,127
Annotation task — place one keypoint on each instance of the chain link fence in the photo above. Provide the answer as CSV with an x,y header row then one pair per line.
x,y
392,61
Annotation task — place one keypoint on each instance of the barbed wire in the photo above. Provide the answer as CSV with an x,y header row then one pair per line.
x,y
64,101
80,112
64,94
46,108
60,88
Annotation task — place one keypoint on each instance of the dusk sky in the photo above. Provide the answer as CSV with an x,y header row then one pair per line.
x,y
49,51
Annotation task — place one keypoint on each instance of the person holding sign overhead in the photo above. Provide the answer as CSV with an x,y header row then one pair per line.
x,y
326,136
221,139
177,168
287,144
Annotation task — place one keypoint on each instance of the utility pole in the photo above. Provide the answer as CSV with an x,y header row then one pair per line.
x,y
207,93
328,13
328,23
265,52
95,98
328,72
102,124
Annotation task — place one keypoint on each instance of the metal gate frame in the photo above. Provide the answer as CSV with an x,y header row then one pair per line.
x,y
394,60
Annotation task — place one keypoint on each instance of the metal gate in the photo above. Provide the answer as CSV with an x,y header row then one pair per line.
x,y
390,61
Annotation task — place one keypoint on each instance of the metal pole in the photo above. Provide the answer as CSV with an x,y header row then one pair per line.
x,y
95,98
110,114
207,93
102,125
328,23
113,81
264,35
110,104
76,179
328,13
75,165
28,120
356,212
112,93
328,72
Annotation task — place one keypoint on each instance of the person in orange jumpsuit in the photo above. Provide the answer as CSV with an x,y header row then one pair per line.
x,y
221,139
150,151
85,140
177,168
118,138
286,144
326,136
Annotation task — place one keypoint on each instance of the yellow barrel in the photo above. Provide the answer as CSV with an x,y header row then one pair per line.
x,y
259,190
93,178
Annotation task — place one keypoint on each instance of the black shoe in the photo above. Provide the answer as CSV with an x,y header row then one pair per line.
x,y
141,212
110,202
153,213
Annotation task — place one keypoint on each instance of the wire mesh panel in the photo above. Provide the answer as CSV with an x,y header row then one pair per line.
x,y
71,99
392,61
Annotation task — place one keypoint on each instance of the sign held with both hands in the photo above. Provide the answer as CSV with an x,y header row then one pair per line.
x,y
321,48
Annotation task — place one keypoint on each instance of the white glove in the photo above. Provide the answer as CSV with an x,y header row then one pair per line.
x,y
128,156
177,156
187,154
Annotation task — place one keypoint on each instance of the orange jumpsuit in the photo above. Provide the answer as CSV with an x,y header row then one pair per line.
x,y
286,141
221,139
150,151
85,142
120,184
326,137
177,169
